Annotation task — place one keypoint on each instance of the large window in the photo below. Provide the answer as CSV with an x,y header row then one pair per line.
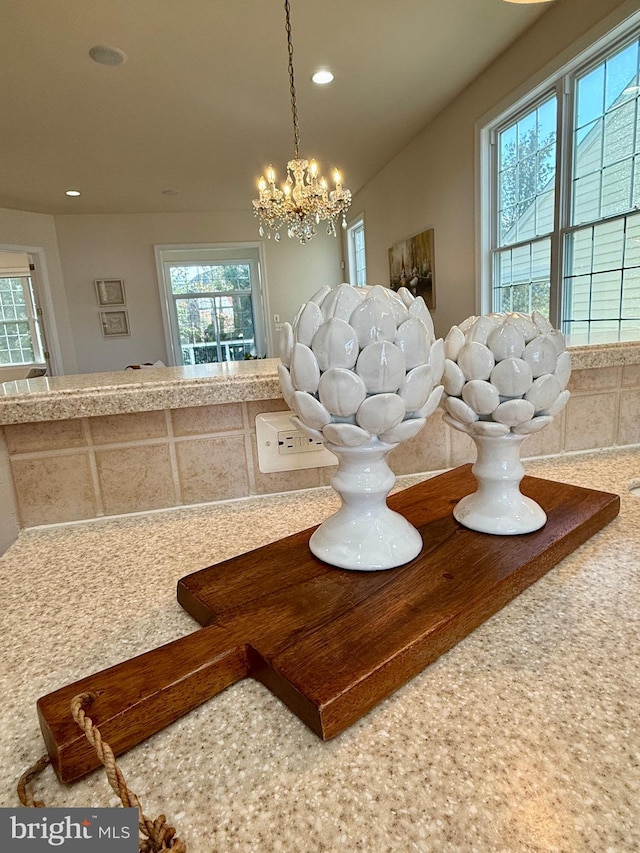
x,y
20,338
212,304
562,176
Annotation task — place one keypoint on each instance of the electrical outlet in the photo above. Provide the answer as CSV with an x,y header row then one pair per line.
x,y
284,447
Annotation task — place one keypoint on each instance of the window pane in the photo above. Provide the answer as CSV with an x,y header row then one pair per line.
x,y
605,289
629,330
590,96
605,295
586,198
619,133
608,144
16,346
620,71
16,343
616,188
526,175
217,328
608,245
523,278
578,297
210,278
580,251
631,294
632,242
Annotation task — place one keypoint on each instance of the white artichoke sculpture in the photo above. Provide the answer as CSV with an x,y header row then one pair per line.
x,y
505,377
359,363
504,373
361,371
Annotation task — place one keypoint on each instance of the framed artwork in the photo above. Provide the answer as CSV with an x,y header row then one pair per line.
x,y
412,265
110,291
114,323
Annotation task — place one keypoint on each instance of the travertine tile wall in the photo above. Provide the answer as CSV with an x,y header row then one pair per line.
x,y
69,470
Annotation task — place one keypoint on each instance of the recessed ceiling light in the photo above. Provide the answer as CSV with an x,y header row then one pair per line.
x,y
72,192
322,77
107,55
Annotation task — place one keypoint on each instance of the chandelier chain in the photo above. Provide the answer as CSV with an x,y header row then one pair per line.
x,y
305,199
292,85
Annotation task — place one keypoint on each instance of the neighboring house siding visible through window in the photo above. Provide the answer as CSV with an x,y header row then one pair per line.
x,y
562,228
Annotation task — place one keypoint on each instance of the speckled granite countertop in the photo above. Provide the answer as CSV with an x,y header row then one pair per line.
x,y
94,394
524,737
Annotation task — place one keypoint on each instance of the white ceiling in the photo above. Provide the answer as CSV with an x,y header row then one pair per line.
x,y
202,103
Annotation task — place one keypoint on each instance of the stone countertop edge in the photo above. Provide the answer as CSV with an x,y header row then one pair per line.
x,y
152,389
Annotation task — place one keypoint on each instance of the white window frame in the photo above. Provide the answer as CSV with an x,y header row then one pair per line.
x,y
251,253
562,84
356,227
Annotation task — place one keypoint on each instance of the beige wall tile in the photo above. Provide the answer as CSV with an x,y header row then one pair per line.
x,y
591,421
629,430
45,435
134,479
53,489
258,407
463,450
201,420
594,379
128,427
547,441
631,375
427,451
212,469
285,481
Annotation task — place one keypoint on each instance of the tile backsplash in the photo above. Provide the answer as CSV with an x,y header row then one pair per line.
x,y
118,464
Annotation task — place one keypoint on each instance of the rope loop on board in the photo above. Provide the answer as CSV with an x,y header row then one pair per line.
x,y
156,834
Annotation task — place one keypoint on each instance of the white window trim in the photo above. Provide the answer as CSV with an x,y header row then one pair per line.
x,y
181,251
557,75
351,227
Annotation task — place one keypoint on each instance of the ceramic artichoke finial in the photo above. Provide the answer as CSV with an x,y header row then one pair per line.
x,y
504,373
360,363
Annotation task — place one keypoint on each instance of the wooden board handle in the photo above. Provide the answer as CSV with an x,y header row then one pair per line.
x,y
139,697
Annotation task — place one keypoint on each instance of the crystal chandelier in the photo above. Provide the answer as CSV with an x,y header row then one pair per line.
x,y
305,199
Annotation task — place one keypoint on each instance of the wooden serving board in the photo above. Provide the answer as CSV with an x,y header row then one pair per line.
x,y
330,643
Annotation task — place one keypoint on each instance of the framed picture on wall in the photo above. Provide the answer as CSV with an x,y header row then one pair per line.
x,y
114,323
110,291
411,265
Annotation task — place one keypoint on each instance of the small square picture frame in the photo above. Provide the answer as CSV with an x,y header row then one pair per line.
x,y
114,324
110,291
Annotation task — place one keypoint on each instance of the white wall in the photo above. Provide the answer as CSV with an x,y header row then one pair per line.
x,y
20,228
121,246
431,183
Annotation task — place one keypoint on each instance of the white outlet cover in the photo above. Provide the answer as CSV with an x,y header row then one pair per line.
x,y
270,460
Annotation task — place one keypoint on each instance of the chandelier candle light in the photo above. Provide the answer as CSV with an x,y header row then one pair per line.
x,y
305,199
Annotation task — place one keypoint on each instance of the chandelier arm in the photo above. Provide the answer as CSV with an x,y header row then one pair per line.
x,y
292,85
